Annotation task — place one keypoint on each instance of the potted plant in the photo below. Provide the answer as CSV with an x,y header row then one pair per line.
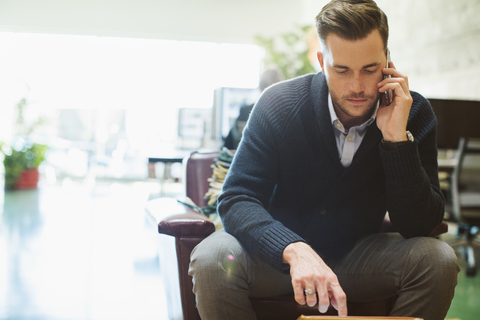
x,y
22,156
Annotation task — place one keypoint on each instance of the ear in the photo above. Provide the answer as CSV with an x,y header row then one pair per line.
x,y
320,60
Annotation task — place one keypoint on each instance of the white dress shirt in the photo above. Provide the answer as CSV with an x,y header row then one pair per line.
x,y
348,141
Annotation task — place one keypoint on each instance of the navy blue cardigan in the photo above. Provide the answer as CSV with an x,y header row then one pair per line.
x,y
286,182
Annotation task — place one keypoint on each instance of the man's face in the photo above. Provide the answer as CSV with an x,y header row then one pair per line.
x,y
353,69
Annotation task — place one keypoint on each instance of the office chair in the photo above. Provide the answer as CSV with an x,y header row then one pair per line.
x,y
457,125
465,207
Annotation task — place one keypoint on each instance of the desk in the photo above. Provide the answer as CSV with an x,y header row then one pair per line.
x,y
447,160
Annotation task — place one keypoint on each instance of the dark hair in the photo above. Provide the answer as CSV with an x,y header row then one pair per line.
x,y
351,20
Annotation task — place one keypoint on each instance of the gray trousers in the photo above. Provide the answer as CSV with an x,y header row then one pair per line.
x,y
421,272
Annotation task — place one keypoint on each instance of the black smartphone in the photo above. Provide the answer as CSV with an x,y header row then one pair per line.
x,y
388,93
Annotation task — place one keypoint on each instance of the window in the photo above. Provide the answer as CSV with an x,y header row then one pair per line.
x,y
110,93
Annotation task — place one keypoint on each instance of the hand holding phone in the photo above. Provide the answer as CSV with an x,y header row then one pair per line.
x,y
388,93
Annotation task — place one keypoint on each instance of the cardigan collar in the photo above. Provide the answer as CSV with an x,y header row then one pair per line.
x,y
319,94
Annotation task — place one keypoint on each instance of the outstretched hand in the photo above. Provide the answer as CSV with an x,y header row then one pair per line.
x,y
392,120
309,272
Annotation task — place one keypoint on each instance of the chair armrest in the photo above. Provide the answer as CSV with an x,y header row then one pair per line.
x,y
177,220
187,225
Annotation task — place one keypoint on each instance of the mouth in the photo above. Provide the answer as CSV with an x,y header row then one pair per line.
x,y
357,102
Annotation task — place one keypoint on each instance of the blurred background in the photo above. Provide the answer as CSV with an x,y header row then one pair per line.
x,y
105,98
115,83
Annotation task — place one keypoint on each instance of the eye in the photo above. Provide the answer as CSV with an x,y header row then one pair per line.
x,y
341,71
370,71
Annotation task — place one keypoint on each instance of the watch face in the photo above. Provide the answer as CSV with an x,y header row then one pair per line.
x,y
410,136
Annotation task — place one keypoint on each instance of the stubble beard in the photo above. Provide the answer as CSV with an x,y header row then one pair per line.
x,y
343,108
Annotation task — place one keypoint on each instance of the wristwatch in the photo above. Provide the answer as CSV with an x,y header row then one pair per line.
x,y
389,145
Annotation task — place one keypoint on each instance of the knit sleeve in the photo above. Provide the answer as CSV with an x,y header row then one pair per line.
x,y
251,180
414,200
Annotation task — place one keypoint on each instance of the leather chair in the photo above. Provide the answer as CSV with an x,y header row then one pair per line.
x,y
189,228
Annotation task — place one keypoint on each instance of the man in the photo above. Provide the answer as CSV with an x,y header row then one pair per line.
x,y
322,160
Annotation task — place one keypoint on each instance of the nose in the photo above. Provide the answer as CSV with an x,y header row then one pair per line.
x,y
357,84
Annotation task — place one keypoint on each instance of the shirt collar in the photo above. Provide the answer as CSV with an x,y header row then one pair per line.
x,y
335,120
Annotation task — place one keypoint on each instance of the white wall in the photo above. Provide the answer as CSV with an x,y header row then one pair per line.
x,y
435,42
234,21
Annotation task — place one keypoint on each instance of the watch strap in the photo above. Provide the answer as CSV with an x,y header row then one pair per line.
x,y
389,145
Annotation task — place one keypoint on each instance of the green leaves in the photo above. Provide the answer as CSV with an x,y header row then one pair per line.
x,y
288,52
